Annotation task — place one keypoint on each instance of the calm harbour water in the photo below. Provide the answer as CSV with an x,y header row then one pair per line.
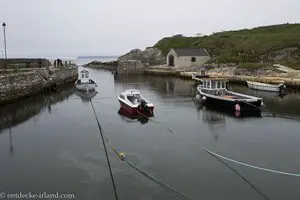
x,y
50,143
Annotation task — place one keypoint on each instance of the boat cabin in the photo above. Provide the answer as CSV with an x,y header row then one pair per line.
x,y
84,76
214,84
202,72
133,96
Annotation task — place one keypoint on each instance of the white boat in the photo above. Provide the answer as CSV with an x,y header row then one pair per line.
x,y
212,92
84,83
266,87
199,76
134,103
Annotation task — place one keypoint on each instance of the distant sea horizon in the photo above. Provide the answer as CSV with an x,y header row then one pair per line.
x,y
82,60
96,57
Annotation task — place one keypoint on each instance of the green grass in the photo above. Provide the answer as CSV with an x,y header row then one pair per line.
x,y
241,46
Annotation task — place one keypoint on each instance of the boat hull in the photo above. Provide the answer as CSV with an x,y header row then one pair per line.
x,y
86,86
244,102
230,105
265,87
135,110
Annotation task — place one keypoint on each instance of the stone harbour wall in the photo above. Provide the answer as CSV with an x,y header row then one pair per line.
x,y
130,66
17,85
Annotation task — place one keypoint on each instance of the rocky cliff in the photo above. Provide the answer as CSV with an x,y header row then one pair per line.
x,y
150,56
112,65
137,60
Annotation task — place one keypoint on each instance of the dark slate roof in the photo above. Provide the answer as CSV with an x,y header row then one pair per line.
x,y
191,52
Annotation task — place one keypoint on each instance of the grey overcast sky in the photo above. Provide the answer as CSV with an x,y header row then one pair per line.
x,y
66,28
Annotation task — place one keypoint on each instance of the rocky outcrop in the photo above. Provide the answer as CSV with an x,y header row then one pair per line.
x,y
282,54
112,65
137,59
150,56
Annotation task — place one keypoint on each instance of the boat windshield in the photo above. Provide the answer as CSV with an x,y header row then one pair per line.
x,y
137,96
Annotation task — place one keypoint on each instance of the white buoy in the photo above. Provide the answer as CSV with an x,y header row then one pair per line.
x,y
262,104
204,98
198,97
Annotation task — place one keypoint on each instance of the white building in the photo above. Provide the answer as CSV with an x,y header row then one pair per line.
x,y
187,57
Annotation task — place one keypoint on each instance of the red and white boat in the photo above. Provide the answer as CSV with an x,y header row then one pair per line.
x,y
133,102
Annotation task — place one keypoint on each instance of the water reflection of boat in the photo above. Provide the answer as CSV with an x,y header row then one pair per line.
x,y
224,111
133,118
216,122
86,96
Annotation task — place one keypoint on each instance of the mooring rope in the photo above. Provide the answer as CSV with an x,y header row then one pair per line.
x,y
251,166
242,177
106,155
226,158
272,114
122,157
216,157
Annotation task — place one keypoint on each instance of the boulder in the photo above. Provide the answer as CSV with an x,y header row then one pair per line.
x,y
149,57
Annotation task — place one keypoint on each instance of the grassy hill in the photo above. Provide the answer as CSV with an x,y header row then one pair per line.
x,y
242,46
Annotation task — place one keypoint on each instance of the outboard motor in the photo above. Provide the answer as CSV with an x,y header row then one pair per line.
x,y
282,91
143,106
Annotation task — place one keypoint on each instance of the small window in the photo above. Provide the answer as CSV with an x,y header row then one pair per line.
x,y
213,85
82,75
193,59
86,75
208,84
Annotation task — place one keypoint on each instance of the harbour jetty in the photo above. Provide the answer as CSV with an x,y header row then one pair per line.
x,y
20,78
291,78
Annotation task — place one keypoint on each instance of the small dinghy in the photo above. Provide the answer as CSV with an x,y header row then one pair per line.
x,y
134,103
84,83
213,92
266,87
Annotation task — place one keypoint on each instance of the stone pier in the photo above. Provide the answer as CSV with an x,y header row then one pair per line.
x,y
19,83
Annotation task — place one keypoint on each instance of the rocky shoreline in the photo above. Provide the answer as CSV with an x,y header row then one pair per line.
x,y
111,65
237,75
152,62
